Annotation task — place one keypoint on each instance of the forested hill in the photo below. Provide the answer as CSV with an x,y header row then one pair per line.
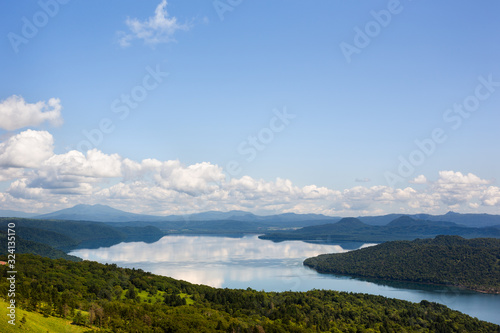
x,y
107,298
26,246
401,228
449,260
66,235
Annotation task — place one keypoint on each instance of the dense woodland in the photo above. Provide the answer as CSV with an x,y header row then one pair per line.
x,y
108,298
65,235
449,260
26,246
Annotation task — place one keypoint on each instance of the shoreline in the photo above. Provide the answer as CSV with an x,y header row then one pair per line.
x,y
478,290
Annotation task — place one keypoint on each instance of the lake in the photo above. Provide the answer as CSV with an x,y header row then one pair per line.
x,y
247,261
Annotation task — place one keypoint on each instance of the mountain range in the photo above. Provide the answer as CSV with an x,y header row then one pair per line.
x,y
401,228
103,213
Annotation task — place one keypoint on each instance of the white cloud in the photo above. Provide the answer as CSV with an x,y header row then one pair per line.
x,y
456,188
20,189
10,173
361,198
95,164
133,170
157,29
491,197
28,149
194,179
15,113
421,179
457,178
41,179
73,173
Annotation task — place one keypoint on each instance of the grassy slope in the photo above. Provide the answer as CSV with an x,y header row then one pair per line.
x,y
35,322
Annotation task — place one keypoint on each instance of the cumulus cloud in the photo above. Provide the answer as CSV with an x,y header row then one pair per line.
x,y
72,173
157,29
95,164
491,197
193,180
27,149
41,179
456,188
10,173
421,179
133,170
15,113
20,189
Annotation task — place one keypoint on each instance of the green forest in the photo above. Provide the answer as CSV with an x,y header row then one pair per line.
x,y
65,235
447,260
107,298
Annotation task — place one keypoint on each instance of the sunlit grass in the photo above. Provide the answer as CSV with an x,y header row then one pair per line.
x,y
35,322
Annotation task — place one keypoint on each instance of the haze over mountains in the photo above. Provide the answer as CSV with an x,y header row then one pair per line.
x,y
14,213
103,213
401,228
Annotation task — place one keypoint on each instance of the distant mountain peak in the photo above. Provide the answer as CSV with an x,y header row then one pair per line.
x,y
350,221
86,208
403,221
97,212
405,218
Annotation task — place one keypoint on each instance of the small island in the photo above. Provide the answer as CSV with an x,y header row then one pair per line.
x,y
446,260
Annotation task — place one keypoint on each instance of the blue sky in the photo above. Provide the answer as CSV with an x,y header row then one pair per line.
x,y
333,107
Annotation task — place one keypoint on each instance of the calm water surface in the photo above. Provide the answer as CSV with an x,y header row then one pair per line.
x,y
242,262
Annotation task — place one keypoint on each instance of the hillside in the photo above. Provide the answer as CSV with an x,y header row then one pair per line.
x,y
114,299
447,260
26,246
402,228
467,220
36,322
66,235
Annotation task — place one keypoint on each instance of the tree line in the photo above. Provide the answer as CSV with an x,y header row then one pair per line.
x,y
108,298
447,260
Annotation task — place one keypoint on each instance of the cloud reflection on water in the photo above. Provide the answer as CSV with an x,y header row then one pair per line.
x,y
213,260
264,265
